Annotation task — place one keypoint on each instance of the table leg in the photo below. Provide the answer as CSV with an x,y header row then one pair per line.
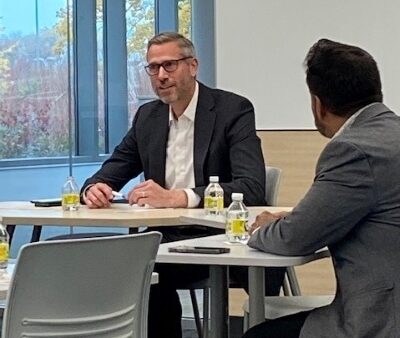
x,y
10,229
36,232
256,295
219,324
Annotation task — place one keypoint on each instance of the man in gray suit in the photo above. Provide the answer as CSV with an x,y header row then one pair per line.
x,y
353,206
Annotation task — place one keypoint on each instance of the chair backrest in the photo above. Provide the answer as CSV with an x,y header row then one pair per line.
x,y
92,287
272,182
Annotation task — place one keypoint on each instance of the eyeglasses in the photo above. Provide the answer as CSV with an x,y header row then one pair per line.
x,y
169,66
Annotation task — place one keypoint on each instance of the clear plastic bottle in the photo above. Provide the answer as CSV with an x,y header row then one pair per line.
x,y
70,195
237,219
4,250
214,197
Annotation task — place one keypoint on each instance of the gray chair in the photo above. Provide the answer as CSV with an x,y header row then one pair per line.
x,y
93,287
272,183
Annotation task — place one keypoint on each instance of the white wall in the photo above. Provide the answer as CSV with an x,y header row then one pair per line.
x,y
261,45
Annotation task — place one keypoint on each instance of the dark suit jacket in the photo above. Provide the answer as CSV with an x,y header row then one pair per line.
x,y
225,144
353,207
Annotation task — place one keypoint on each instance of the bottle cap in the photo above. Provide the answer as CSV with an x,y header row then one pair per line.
x,y
236,196
214,179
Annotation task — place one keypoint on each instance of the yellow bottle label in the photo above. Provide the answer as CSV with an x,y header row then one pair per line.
x,y
208,202
70,199
220,203
211,202
4,251
238,226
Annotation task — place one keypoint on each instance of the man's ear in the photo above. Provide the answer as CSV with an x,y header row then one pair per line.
x,y
194,65
319,108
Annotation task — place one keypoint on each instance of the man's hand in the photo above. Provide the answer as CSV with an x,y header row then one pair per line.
x,y
151,193
97,196
265,218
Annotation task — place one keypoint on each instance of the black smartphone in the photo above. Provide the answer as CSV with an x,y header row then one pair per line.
x,y
47,202
120,200
199,249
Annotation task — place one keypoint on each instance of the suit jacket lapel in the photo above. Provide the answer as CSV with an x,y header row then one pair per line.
x,y
158,144
203,130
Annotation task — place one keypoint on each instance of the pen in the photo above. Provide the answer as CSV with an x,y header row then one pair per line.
x,y
117,194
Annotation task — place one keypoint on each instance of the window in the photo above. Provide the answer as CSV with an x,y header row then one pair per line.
x,y
139,29
33,79
35,60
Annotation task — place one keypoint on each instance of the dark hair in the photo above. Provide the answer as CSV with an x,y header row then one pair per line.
x,y
185,44
345,78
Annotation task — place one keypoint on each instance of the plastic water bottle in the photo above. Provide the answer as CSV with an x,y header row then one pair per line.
x,y
70,195
214,197
237,219
4,250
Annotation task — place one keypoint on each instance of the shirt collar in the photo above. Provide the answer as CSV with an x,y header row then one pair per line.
x,y
351,119
190,111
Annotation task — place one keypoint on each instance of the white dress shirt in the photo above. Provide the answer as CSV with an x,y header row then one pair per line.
x,y
179,170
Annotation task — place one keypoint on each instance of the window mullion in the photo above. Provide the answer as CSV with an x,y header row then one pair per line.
x,y
115,72
166,16
203,37
85,77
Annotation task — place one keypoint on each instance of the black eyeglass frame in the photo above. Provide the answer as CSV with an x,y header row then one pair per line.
x,y
168,69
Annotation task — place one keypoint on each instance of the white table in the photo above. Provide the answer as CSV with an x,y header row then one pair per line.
x,y
198,216
240,255
118,215
123,215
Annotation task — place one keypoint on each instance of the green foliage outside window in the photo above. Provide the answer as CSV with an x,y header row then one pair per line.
x,y
34,79
185,17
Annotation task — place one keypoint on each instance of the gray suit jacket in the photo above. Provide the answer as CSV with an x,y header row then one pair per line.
x,y
353,207
225,144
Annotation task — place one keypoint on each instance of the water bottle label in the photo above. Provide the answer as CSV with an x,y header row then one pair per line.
x,y
68,199
238,226
220,203
4,251
211,202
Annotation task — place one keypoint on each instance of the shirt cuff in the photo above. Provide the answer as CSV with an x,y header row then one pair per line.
x,y
192,198
86,189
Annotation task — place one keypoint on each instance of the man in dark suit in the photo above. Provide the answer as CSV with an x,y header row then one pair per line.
x,y
190,133
353,206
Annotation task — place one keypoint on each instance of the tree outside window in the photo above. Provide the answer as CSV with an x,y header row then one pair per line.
x,y
34,75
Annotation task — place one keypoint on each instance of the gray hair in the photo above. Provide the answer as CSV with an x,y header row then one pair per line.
x,y
184,44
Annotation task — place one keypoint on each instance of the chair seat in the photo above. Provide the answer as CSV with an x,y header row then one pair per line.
x,y
276,307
